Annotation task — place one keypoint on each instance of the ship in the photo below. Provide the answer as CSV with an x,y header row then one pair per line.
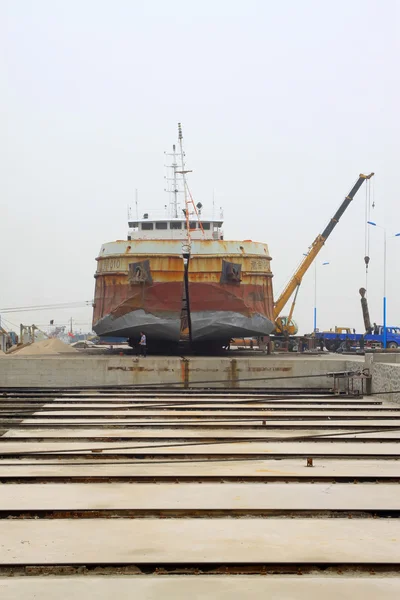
x,y
177,279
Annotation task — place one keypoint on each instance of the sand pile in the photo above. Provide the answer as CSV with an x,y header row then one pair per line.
x,y
52,346
15,348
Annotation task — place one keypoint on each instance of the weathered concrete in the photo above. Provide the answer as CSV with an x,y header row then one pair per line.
x,y
200,587
134,434
274,496
329,421
197,587
198,447
201,422
88,541
282,484
177,404
216,412
126,370
323,467
386,357
386,378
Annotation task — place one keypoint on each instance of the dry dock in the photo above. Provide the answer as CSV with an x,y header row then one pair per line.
x,y
203,492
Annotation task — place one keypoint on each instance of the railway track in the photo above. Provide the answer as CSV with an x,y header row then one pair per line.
x,y
174,493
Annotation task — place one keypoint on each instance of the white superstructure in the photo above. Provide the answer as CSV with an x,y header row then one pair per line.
x,y
148,228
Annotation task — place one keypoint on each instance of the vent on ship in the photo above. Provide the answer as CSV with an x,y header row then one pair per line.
x,y
139,272
231,272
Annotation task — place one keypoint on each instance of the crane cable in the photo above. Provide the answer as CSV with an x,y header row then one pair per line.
x,y
366,232
369,203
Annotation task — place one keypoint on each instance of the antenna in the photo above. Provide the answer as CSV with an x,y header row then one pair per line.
x,y
213,204
190,206
136,204
173,181
175,190
183,172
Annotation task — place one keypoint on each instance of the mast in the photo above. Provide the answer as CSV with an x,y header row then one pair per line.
x,y
173,181
175,190
183,172
190,207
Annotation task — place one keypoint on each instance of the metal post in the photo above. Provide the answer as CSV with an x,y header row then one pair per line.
x,y
315,296
384,328
384,291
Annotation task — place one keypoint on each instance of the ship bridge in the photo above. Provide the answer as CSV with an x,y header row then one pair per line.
x,y
174,228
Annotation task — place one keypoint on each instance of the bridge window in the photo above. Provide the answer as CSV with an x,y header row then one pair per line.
x,y
162,225
175,225
192,225
206,226
147,226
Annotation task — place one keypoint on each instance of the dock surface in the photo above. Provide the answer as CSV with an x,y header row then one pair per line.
x,y
182,493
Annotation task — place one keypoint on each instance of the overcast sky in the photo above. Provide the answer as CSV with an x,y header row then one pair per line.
x,y
283,104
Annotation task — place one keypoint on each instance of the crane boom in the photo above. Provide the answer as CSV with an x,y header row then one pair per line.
x,y
317,244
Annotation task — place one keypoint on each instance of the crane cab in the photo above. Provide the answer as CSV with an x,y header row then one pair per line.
x,y
284,325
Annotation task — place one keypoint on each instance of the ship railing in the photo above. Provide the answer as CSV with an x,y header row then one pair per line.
x,y
159,215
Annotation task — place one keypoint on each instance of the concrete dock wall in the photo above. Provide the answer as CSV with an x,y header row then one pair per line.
x,y
386,357
386,378
225,372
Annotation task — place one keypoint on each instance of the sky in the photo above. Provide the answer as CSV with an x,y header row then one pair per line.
x,y
282,104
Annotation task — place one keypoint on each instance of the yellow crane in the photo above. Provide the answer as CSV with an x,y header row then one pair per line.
x,y
285,325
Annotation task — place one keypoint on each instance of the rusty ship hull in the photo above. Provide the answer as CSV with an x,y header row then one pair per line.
x,y
140,286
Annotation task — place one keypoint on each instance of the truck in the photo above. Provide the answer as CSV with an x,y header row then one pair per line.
x,y
334,340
